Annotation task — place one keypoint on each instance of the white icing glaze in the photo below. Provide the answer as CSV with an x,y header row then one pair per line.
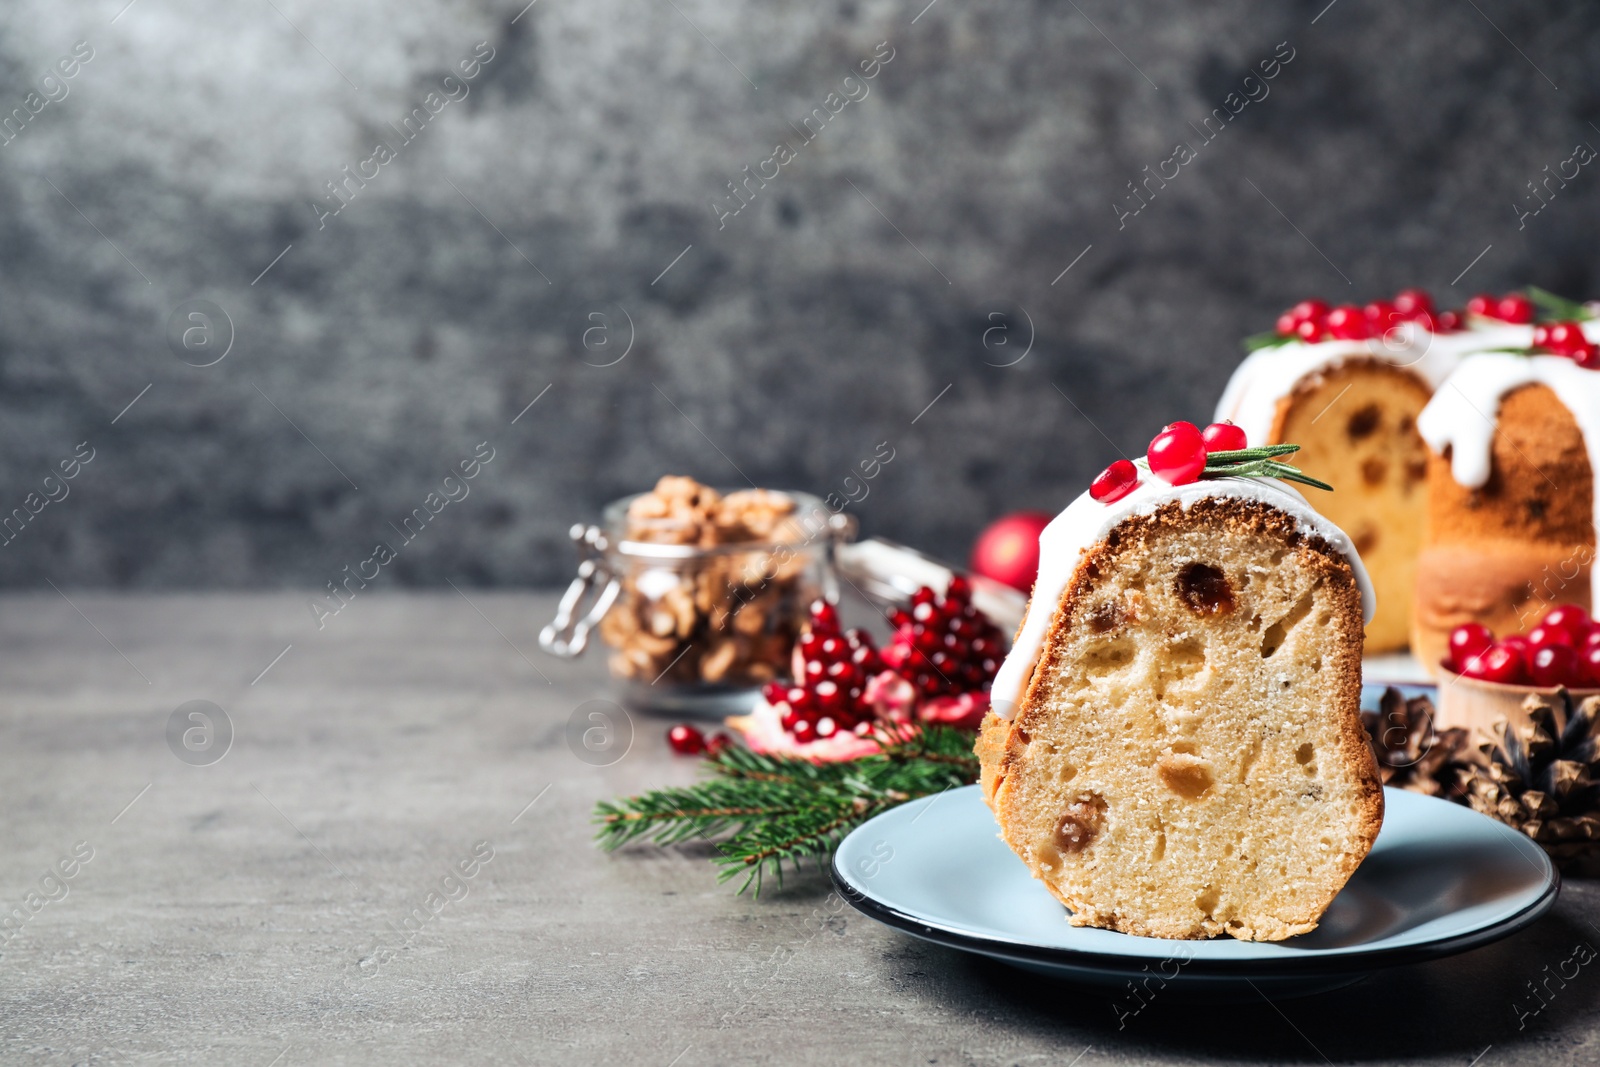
x,y
1268,375
1086,522
1464,412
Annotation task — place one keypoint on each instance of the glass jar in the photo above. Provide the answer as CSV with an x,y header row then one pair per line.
x,y
696,629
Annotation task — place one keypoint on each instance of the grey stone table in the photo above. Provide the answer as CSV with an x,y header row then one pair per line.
x,y
253,911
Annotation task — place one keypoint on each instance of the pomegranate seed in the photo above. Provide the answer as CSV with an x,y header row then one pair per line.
x,y
1554,665
1514,308
833,649
1347,323
899,617
774,692
789,719
1178,454
1588,668
1518,642
811,646
1542,636
1482,304
1592,640
1410,303
1223,437
1115,482
804,732
825,727
828,696
686,740
924,595
959,589
1311,330
1571,618
797,697
1501,662
1467,640
824,618
814,671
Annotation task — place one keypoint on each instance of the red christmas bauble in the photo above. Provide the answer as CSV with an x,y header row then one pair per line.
x,y
1008,549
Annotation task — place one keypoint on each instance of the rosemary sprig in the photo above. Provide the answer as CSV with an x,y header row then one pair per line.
x,y
1259,462
765,810
1269,339
1558,308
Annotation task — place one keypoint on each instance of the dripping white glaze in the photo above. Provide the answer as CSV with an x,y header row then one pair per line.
x,y
1086,522
1268,375
1464,412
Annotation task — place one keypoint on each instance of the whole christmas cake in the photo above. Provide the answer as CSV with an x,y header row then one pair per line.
x,y
1175,746
1347,384
1510,521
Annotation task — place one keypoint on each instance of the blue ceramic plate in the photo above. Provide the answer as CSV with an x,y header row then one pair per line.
x,y
1441,880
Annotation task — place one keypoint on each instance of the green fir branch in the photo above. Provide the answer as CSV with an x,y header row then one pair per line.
x,y
1258,462
763,811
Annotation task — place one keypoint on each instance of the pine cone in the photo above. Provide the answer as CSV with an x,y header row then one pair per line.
x,y
1543,778
1412,754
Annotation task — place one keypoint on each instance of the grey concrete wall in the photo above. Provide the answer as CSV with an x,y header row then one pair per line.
x,y
578,177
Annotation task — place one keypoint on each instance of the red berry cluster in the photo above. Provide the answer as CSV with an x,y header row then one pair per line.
x,y
1567,339
1177,456
1564,649
688,741
1513,308
1314,320
830,694
944,646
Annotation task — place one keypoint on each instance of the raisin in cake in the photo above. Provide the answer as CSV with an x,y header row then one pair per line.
x,y
1175,746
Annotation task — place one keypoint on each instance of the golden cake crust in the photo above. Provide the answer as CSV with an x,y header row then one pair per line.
x,y
1002,744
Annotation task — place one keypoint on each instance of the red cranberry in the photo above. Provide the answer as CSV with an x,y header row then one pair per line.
x,y
1380,315
1543,636
686,740
717,744
1310,331
1224,437
1115,482
1347,323
1467,640
1514,308
1482,304
1178,454
1426,320
1586,355
1287,323
1501,662
1571,618
1410,303
1541,335
1309,311
1554,665
1447,322
1562,338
